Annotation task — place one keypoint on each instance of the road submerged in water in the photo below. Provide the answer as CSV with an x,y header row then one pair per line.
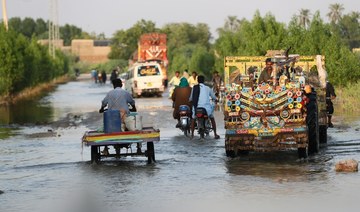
x,y
44,167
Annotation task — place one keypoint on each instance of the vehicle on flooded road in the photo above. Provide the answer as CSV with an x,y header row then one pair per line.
x,y
287,112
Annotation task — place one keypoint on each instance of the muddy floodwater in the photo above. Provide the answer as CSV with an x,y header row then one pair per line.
x,y
44,167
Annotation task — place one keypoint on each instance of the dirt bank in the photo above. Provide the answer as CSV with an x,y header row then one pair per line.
x,y
34,91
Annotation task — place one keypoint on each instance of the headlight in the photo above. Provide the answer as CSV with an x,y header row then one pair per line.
x,y
245,116
284,114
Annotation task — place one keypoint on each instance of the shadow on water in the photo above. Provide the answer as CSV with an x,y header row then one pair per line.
x,y
29,112
281,166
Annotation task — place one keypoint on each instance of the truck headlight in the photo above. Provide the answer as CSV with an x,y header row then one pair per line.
x,y
245,116
284,114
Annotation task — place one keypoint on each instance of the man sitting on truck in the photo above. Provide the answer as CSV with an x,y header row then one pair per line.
x,y
118,99
265,75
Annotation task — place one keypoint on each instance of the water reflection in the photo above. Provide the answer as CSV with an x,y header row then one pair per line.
x,y
280,167
26,112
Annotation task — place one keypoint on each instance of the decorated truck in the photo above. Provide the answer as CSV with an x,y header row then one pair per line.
x,y
152,47
147,72
286,113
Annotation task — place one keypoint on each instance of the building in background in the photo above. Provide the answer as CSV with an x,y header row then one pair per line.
x,y
92,51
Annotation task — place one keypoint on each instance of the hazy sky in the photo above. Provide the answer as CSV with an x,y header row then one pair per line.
x,y
108,16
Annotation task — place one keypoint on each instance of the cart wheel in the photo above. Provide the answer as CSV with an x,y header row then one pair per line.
x,y
303,153
95,154
150,152
230,153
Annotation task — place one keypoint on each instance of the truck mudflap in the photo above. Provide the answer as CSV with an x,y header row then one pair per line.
x,y
266,140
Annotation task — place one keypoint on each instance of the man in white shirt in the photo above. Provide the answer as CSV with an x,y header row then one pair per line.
x,y
200,97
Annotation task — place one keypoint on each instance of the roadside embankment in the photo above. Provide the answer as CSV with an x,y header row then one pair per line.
x,y
34,91
348,99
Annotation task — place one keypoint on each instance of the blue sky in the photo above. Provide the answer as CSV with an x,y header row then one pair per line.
x,y
108,16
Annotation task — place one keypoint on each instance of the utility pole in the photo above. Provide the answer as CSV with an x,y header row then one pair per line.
x,y
5,15
53,27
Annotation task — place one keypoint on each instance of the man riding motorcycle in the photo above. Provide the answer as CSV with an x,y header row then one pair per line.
x,y
181,96
200,98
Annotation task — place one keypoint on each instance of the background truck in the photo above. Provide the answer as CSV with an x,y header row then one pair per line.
x,y
152,47
288,113
147,72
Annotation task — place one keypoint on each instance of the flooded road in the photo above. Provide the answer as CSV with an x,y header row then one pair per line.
x,y
44,167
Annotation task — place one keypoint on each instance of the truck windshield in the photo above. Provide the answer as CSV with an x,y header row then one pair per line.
x,y
150,70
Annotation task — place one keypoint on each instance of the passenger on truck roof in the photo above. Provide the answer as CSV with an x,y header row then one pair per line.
x,y
266,74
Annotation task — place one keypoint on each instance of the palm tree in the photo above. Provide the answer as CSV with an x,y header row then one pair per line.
x,y
304,17
335,13
232,23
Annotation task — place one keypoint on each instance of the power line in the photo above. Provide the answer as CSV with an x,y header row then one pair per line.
x,y
53,27
5,14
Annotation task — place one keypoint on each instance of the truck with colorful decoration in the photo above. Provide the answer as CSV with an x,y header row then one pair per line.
x,y
287,113
147,72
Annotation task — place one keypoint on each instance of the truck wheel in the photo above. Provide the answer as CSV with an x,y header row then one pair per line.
x,y
322,134
243,152
95,154
230,153
303,152
150,152
313,127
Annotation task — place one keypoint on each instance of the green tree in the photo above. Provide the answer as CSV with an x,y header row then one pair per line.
x,y
349,29
15,24
11,63
124,42
232,24
184,39
70,32
193,57
41,29
28,27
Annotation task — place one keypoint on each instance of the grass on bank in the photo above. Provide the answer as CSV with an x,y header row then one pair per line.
x,y
348,99
31,92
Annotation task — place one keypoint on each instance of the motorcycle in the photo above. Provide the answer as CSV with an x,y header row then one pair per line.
x,y
203,124
184,114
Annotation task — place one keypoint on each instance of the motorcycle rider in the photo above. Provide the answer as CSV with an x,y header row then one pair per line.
x,y
200,97
174,82
180,96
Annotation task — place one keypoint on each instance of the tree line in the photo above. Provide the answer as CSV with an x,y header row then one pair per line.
x,y
26,63
191,46
39,29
